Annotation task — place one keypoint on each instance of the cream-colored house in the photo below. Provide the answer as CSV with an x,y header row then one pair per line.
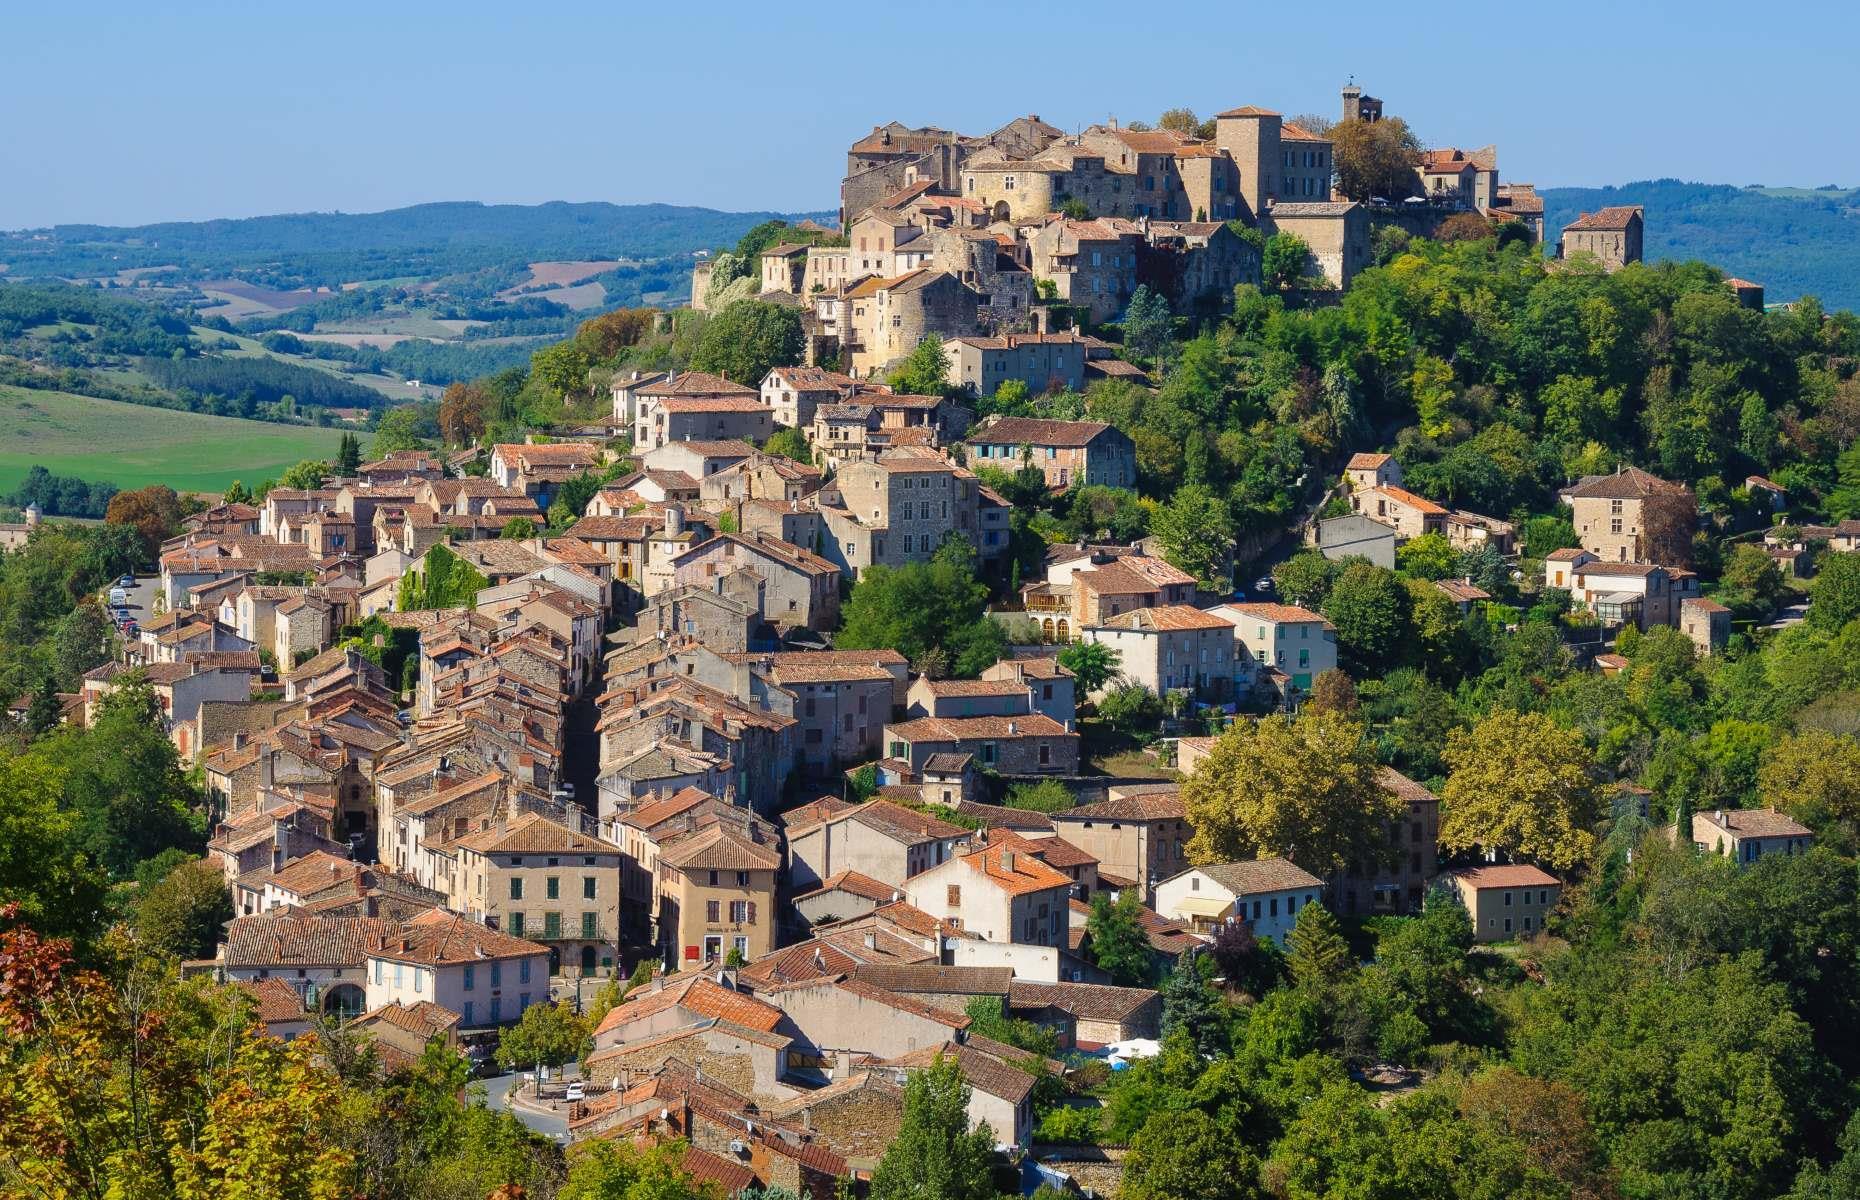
x,y
1506,901
717,894
1266,893
486,976
1001,893
539,880
1747,834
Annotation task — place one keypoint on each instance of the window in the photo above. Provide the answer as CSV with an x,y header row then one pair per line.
x,y
553,887
497,974
587,887
471,977
742,879
713,911
516,927
1272,907
1507,899
516,887
467,1014
739,911
497,1010
419,981
713,879
552,926
1527,924
523,971
1507,924
952,896
590,925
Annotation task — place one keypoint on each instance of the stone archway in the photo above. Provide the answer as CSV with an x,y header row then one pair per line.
x,y
1001,210
344,1001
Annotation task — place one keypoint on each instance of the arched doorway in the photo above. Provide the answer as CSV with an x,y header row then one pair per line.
x,y
1001,210
1046,630
587,960
555,960
344,1001
1063,630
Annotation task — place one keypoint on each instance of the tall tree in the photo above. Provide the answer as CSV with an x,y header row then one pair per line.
x,y
924,371
1118,943
1093,664
936,1156
1305,789
1813,776
1188,1156
1520,785
184,916
348,455
1197,535
1375,158
154,512
747,340
1147,321
1373,615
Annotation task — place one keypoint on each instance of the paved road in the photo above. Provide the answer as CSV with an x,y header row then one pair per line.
x,y
496,1096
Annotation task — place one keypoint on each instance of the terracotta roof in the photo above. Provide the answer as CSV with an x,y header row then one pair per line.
x,y
1570,554
902,824
439,938
1031,431
698,994
1058,853
1702,604
1247,110
1629,483
705,1168
706,404
975,687
291,939
1461,591
853,884
956,729
981,1071
315,872
533,833
1614,218
1277,612
996,816
277,1000
1091,1001
1753,822
719,849
697,383
1288,132
936,979
1403,788
1260,875
1158,804
1516,875
1169,618
1115,579
1404,496
422,1018
1026,874
1366,462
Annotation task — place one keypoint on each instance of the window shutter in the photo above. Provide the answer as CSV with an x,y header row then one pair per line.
x,y
752,912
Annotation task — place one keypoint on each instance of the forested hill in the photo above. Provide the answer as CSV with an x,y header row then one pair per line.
x,y
1794,241
329,249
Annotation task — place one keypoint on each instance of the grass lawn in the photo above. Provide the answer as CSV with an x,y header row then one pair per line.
x,y
131,445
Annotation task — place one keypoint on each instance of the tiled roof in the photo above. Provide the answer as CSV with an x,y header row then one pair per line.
x,y
290,939
422,1018
1366,462
1026,873
1629,483
1701,604
853,884
1115,579
975,687
1169,618
1092,1001
438,938
1058,853
1403,788
1514,875
981,1071
1612,219
1461,591
996,816
1161,803
719,849
903,824
704,1167
533,833
697,383
314,872
936,979
1753,822
1031,431
277,1000
1260,875
1288,132
956,729
1247,110
698,994
1284,613
1404,496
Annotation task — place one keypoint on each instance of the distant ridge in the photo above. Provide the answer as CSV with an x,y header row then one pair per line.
x,y
1793,241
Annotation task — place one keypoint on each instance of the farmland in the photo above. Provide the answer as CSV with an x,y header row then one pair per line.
x,y
131,445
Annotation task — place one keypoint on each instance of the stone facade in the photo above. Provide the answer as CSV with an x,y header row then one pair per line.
x,y
1612,236
1337,233
890,316
1069,453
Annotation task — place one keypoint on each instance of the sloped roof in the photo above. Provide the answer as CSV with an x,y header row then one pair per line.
x,y
719,849
1260,875
1036,432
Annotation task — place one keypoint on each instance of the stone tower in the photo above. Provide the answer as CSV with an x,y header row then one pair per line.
x,y
1360,107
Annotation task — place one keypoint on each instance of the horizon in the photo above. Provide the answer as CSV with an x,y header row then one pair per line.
x,y
365,110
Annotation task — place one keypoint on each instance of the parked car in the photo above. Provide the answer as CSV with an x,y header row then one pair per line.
x,y
575,1091
1263,585
127,581
119,597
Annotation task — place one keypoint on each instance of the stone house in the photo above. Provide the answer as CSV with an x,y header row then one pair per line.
x,y
783,267
726,1052
486,976
1354,536
1174,647
800,589
1639,594
1631,516
1029,745
1000,892
1005,697
898,508
321,958
1100,1013
698,458
1745,835
1093,264
1196,264
857,1117
1472,531
625,391
1612,235
1306,165
758,743
889,316
1044,362
716,892
1336,231
841,706
538,471
842,897
1139,833
1706,622
695,406
794,392
654,821
1366,470
1265,893
1409,515
672,1002
877,840
540,880
1068,453
1505,901
1000,1092
833,1019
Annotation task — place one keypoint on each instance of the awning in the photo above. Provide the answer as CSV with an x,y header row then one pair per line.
x,y
1203,906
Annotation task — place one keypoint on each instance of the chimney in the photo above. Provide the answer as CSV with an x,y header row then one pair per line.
x,y
1007,861
871,940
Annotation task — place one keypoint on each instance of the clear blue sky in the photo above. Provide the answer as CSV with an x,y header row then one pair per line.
x,y
125,113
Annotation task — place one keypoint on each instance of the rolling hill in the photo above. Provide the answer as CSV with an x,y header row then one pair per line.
x,y
1794,241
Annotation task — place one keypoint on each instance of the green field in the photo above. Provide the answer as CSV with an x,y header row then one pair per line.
x,y
131,445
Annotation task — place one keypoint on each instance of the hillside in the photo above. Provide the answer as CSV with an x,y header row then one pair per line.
x,y
1794,241
427,241
132,445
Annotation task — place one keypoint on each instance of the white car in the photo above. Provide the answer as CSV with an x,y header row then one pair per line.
x,y
575,1091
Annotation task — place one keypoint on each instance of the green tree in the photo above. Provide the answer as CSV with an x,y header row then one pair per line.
x,y
936,1154
924,371
931,612
1119,944
1147,323
238,493
1197,535
546,1034
1520,785
43,867
398,429
83,639
1187,1156
1305,579
184,916
1372,612
560,369
1284,261
1318,956
1191,1007
1429,556
1093,665
619,1169
1047,796
789,443
747,340
518,528
1813,776
348,456
1306,789
123,779
442,580
1835,593
1375,158
1752,584
307,475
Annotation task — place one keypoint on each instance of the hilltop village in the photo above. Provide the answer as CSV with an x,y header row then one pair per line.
x,y
755,747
